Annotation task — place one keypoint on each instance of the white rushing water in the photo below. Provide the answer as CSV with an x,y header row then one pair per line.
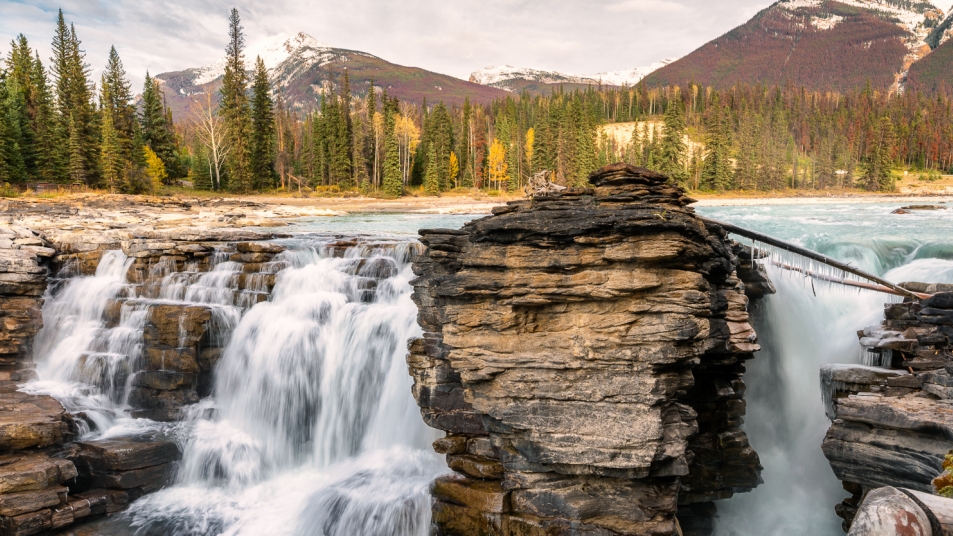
x,y
310,428
808,324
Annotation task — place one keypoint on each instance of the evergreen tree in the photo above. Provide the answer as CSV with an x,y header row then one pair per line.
x,y
235,110
154,123
879,161
392,183
111,160
432,178
716,168
51,156
466,140
263,135
116,97
74,103
671,158
77,164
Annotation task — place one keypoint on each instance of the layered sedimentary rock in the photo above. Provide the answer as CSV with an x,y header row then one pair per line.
x,y
584,352
892,424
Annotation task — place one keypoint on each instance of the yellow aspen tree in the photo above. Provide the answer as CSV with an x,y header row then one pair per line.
x,y
155,169
528,150
454,168
498,166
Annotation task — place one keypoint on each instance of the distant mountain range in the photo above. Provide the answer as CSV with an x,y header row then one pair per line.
x,y
518,79
825,45
302,68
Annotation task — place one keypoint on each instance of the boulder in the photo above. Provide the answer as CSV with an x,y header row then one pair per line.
x,y
889,512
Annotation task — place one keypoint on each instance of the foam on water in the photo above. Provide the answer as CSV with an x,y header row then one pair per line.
x,y
311,429
809,323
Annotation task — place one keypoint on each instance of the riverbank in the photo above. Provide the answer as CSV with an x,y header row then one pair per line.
x,y
92,211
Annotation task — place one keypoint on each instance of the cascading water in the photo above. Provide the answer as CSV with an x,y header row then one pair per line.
x,y
311,428
806,324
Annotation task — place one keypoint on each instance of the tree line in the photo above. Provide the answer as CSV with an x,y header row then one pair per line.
x,y
57,126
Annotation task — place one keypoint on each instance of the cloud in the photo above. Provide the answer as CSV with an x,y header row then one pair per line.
x,y
455,38
648,6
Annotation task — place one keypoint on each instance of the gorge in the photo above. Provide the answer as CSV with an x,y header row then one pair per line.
x,y
583,351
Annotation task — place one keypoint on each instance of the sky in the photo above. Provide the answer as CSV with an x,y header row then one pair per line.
x,y
454,37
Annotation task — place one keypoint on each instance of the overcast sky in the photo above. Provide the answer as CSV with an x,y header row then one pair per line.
x,y
454,37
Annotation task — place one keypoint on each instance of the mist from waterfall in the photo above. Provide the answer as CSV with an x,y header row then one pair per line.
x,y
809,323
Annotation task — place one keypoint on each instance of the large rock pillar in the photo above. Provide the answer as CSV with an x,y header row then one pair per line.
x,y
584,354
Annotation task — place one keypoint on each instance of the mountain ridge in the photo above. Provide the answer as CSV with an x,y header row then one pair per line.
x,y
822,45
302,69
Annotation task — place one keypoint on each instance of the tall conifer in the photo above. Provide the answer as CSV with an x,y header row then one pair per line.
x,y
235,109
263,134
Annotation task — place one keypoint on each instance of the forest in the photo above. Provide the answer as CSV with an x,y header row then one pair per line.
x,y
58,126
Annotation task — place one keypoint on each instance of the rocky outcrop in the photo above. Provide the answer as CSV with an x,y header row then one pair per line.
x,y
24,256
584,353
892,424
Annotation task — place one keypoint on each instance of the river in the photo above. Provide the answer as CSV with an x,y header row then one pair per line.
x,y
311,427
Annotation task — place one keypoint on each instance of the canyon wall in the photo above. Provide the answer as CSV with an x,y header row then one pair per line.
x,y
584,354
892,418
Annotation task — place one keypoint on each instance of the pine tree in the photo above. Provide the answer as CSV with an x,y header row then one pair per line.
x,y
116,97
235,109
77,164
154,123
716,168
51,156
263,134
465,144
392,183
432,178
672,148
111,160
74,103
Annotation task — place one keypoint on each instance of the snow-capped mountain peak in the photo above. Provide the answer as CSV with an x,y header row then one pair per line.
x,y
506,76
273,51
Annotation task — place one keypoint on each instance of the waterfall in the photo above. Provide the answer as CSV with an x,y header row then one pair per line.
x,y
311,428
805,325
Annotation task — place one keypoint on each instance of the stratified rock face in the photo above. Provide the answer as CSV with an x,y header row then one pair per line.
x,y
23,273
892,423
584,354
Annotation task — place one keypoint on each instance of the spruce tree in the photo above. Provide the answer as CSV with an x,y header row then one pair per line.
x,y
235,110
116,97
263,136
74,103
716,168
466,140
392,184
111,158
77,164
432,177
671,158
51,155
156,131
